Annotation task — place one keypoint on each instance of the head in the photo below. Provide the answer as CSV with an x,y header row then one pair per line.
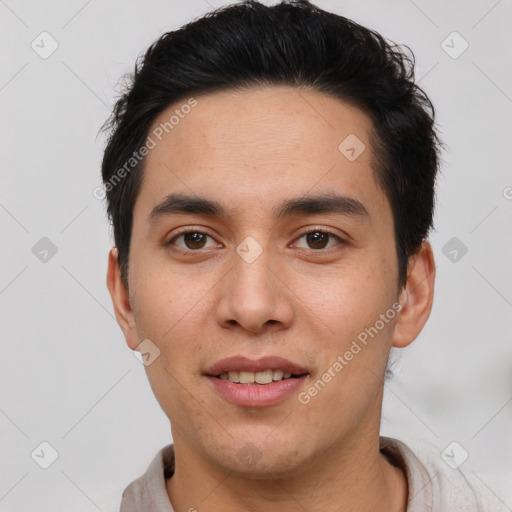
x,y
296,150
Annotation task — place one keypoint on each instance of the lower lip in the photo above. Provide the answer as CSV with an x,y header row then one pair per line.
x,y
257,395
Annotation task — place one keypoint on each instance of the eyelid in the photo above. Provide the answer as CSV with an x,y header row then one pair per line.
x,y
190,229
184,231
322,229
204,231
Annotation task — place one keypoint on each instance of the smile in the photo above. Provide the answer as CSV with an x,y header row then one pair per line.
x,y
264,377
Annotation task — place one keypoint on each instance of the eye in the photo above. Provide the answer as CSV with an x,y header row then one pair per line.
x,y
318,239
192,240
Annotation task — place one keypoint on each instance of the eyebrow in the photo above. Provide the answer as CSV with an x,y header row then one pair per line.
x,y
307,205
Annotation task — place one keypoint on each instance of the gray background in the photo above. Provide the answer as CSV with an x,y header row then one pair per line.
x,y
67,377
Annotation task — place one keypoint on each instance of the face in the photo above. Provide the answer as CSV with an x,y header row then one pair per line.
x,y
248,264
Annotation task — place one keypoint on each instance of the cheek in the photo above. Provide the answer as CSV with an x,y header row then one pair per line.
x,y
154,310
347,313
160,299
342,303
169,310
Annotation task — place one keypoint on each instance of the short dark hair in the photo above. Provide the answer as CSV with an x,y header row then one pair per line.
x,y
297,44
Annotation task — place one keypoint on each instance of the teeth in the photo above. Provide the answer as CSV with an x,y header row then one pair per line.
x,y
264,377
246,378
233,376
278,374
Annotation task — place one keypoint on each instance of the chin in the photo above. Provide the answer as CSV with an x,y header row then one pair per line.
x,y
261,459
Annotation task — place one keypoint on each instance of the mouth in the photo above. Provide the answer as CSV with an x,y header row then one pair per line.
x,y
256,383
263,378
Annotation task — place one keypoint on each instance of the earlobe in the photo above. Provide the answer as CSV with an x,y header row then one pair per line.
x,y
416,297
121,300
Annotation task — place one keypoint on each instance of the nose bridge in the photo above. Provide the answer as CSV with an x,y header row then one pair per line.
x,y
252,296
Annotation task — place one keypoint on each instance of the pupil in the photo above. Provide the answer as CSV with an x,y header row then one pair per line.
x,y
316,238
194,239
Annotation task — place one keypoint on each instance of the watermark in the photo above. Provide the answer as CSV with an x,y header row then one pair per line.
x,y
157,134
146,352
249,249
454,455
44,45
454,249
454,45
304,397
44,455
44,250
351,147
507,192
249,454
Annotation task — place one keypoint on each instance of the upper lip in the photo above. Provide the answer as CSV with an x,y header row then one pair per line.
x,y
242,363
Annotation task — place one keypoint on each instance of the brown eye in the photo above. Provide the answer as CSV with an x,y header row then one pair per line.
x,y
317,239
189,241
194,240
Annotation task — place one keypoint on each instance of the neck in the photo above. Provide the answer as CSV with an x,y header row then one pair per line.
x,y
355,476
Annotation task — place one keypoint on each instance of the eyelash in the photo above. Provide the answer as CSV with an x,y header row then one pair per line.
x,y
179,250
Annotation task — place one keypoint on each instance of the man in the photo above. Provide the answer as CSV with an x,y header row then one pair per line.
x,y
270,179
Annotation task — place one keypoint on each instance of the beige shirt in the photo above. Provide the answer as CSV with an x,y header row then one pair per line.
x,y
433,486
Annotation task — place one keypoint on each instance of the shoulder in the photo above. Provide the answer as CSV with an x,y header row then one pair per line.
x,y
148,492
436,484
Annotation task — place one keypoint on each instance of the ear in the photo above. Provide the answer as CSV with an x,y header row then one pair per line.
x,y
121,300
416,297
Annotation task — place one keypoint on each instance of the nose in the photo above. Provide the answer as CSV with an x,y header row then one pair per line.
x,y
255,295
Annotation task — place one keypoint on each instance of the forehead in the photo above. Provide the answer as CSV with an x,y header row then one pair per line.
x,y
254,147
